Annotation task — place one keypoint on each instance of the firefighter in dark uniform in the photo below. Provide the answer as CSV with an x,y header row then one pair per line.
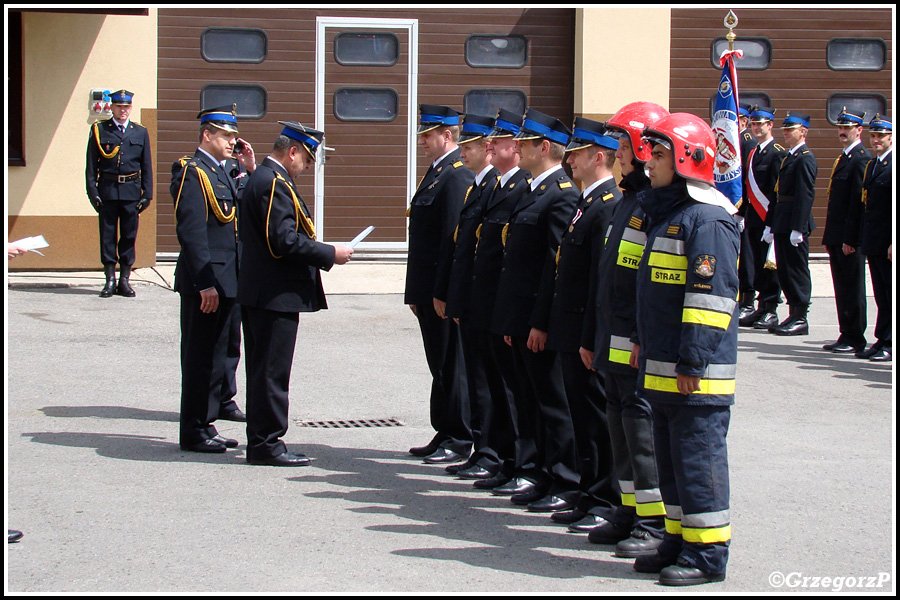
x,y
433,217
790,221
205,275
687,289
119,179
636,528
591,156
843,229
280,277
498,425
526,281
879,199
761,278
748,142
452,287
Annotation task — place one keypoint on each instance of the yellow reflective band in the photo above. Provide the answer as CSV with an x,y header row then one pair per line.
x,y
628,500
706,317
651,509
668,261
628,261
673,527
619,356
712,535
716,387
668,276
626,247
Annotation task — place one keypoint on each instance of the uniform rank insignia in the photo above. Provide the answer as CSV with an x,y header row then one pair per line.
x,y
607,197
564,185
705,266
457,164
635,223
673,230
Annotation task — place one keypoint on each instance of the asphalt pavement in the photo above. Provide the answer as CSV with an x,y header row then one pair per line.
x,y
108,502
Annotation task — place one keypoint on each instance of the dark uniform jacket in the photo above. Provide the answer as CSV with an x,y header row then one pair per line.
x,y
433,216
765,164
748,143
796,194
532,239
110,154
576,273
281,261
879,203
687,285
205,223
843,224
454,282
489,249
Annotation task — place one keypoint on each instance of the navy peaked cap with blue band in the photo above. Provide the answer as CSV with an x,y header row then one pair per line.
x,y
794,119
223,117
537,125
475,127
744,109
121,97
880,124
433,116
850,118
586,133
508,124
309,137
761,114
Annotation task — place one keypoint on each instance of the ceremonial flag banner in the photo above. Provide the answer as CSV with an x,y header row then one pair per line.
x,y
725,126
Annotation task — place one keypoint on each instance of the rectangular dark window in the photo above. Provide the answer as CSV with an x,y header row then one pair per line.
x,y
366,104
856,103
856,54
234,45
367,49
497,51
14,102
488,102
250,98
757,52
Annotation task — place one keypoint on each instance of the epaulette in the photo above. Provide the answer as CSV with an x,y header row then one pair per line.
x,y
458,164
779,146
805,152
564,185
608,197
528,181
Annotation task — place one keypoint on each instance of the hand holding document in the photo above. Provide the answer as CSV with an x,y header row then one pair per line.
x,y
32,244
361,236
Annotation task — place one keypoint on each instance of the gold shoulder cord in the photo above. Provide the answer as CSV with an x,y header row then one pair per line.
x,y
300,217
831,179
105,154
209,196
865,192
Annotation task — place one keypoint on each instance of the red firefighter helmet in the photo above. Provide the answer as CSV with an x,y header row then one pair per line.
x,y
692,142
632,119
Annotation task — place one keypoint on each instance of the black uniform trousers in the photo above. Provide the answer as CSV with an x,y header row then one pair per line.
x,y
479,394
544,409
232,358
587,404
269,340
753,275
449,402
793,270
848,273
118,219
204,342
882,271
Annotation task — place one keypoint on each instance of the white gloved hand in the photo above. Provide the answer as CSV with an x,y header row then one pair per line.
x,y
767,236
796,238
740,222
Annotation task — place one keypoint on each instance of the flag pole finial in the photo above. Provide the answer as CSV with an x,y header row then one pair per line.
x,y
731,22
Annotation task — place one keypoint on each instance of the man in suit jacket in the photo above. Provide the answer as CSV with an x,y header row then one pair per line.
x,y
879,199
205,275
119,179
433,217
280,278
842,235
790,222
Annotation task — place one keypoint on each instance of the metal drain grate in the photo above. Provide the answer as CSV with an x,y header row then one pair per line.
x,y
348,423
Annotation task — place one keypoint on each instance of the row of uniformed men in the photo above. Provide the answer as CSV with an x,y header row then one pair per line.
x,y
776,219
583,346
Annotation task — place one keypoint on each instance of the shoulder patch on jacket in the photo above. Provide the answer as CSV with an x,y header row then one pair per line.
x,y
673,230
457,164
705,266
564,185
778,146
608,197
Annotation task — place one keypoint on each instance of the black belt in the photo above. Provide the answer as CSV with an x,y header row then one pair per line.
x,y
120,178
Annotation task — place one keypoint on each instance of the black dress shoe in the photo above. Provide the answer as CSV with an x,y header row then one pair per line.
x,y
454,469
550,504
422,451
233,415
285,459
475,472
493,482
768,319
567,517
844,348
833,345
883,355
124,289
872,351
109,289
641,543
14,536
795,326
527,497
228,442
443,456
516,485
653,563
682,573
587,524
208,446
609,534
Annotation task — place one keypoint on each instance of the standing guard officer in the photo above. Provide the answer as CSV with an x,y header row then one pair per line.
x,y
433,217
748,143
280,278
687,286
759,276
879,200
843,229
790,221
119,179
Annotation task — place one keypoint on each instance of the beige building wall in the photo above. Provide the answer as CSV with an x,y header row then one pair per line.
x,y
621,56
65,56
